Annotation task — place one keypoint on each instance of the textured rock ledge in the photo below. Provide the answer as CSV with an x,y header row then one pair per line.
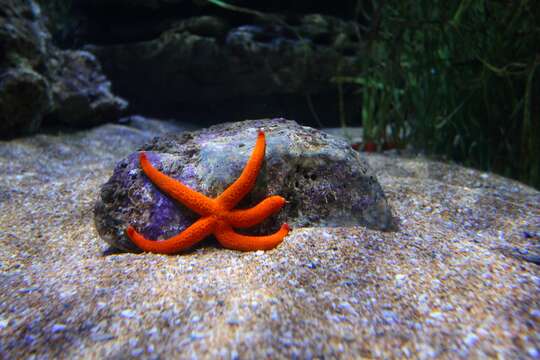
x,y
324,180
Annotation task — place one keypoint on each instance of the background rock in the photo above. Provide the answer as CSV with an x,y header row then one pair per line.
x,y
82,94
183,60
203,66
324,180
38,81
25,95
172,59
443,285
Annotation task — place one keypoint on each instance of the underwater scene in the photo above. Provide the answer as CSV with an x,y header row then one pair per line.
x,y
208,179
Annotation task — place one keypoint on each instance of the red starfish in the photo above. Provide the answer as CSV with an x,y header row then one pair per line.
x,y
218,215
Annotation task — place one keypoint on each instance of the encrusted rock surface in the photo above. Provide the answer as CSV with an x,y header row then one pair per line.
x,y
456,279
325,182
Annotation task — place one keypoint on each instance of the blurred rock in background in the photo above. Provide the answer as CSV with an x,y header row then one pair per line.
x,y
199,62
39,82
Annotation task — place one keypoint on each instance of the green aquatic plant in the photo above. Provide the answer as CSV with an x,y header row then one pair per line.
x,y
457,79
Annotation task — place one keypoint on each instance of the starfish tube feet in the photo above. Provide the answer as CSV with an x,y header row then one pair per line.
x,y
232,240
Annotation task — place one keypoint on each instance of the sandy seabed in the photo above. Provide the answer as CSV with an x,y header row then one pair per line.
x,y
459,278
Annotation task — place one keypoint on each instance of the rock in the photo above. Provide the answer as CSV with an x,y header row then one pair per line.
x,y
189,61
82,94
324,180
24,97
323,293
24,90
203,65
22,33
38,81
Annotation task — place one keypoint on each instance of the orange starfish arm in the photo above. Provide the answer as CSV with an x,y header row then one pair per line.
x,y
218,214
245,182
187,238
232,240
248,217
194,200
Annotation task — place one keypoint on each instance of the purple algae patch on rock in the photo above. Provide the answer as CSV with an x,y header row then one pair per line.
x,y
130,195
325,182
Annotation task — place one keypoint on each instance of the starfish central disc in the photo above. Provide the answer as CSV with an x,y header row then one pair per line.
x,y
218,216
